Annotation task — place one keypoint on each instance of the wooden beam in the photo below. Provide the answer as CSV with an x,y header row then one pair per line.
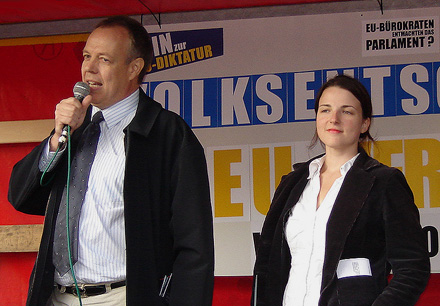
x,y
25,131
20,238
54,39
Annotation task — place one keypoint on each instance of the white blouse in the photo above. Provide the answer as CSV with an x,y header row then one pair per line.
x,y
305,234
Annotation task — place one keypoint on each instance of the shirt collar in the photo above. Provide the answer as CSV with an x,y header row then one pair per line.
x,y
120,110
316,164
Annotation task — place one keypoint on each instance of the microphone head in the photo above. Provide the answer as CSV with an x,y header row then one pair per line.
x,y
81,90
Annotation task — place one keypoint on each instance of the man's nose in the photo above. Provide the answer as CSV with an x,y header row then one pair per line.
x,y
90,65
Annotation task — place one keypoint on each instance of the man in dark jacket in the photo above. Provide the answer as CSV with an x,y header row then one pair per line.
x,y
145,229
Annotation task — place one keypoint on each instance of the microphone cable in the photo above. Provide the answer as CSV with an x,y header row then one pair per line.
x,y
69,246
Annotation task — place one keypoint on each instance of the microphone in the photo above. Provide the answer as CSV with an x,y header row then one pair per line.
x,y
80,91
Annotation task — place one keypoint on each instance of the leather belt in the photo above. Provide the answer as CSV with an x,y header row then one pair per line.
x,y
90,290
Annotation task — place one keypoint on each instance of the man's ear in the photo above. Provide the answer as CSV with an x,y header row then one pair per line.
x,y
135,68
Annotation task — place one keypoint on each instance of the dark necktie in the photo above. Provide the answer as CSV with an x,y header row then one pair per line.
x,y
80,171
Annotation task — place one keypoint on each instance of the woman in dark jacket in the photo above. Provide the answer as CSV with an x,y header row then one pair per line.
x,y
339,223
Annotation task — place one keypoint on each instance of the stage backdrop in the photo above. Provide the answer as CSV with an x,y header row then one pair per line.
x,y
247,88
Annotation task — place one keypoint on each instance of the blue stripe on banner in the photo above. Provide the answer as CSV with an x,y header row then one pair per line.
x,y
396,90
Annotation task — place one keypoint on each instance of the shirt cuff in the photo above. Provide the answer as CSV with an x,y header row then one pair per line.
x,y
47,156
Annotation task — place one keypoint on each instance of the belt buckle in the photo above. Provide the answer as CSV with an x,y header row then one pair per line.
x,y
82,291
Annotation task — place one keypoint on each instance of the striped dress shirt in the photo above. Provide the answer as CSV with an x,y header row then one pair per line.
x,y
101,251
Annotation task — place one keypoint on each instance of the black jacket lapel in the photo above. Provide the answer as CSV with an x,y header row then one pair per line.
x,y
351,198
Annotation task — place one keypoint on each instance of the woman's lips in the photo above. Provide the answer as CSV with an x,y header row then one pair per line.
x,y
334,131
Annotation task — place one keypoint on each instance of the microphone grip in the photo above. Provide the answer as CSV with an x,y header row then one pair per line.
x,y
80,91
63,138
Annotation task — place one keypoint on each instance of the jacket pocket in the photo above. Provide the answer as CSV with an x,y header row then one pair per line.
x,y
356,291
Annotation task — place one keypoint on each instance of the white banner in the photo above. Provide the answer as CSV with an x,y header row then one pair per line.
x,y
247,88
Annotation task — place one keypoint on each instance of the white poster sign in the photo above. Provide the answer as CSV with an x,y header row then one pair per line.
x,y
247,88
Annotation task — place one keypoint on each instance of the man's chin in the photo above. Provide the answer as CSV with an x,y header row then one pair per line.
x,y
97,104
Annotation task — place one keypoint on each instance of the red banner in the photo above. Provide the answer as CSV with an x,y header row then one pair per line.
x,y
35,78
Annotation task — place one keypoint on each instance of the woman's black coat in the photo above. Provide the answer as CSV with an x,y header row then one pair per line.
x,y
374,217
